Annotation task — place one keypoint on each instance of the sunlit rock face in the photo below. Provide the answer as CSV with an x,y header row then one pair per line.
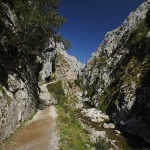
x,y
76,66
46,64
18,99
117,75
57,62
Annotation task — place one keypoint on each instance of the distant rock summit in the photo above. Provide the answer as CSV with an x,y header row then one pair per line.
x,y
117,75
57,60
76,66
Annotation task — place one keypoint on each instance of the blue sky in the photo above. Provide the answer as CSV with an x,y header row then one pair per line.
x,y
87,22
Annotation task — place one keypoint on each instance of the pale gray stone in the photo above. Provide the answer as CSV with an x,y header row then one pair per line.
x,y
117,131
99,70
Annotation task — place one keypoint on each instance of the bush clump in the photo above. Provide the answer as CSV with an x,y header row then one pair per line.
x,y
101,144
72,136
57,91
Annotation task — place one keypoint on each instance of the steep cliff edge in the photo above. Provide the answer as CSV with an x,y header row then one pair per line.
x,y
18,96
22,87
24,34
117,76
18,78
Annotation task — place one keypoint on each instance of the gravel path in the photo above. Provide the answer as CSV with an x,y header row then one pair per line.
x,y
38,134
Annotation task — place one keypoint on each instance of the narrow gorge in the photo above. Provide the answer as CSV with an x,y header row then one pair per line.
x,y
51,101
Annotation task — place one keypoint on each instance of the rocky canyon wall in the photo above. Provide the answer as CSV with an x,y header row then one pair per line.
x,y
117,75
18,96
18,76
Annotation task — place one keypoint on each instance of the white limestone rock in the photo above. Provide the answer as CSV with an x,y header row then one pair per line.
x,y
129,90
105,126
76,66
117,132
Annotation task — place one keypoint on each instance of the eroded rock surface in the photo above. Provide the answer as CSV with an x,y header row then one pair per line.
x,y
116,76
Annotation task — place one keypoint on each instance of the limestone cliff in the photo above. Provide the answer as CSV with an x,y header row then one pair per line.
x,y
58,64
18,78
18,96
76,66
117,75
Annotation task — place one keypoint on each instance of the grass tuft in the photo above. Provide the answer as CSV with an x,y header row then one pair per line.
x,y
72,135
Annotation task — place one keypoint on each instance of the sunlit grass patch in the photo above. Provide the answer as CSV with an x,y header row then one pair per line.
x,y
72,136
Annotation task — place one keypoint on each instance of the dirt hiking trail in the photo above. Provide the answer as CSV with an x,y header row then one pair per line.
x,y
38,134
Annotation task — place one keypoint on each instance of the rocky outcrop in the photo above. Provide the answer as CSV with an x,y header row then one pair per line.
x,y
76,66
63,69
57,64
18,78
94,121
18,98
116,78
47,65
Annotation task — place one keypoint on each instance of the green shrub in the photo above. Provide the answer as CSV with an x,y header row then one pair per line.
x,y
102,81
137,38
79,82
8,100
2,90
101,61
111,66
57,91
101,144
34,27
70,84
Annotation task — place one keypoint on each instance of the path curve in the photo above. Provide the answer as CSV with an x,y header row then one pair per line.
x,y
38,134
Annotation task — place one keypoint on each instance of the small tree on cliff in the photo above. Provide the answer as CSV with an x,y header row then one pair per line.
x,y
36,22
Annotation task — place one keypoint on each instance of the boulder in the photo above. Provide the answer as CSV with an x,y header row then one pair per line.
x,y
111,125
117,132
105,126
108,125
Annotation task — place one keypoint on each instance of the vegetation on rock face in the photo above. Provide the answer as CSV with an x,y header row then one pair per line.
x,y
8,100
92,87
101,144
63,62
100,62
137,39
57,91
130,75
79,82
